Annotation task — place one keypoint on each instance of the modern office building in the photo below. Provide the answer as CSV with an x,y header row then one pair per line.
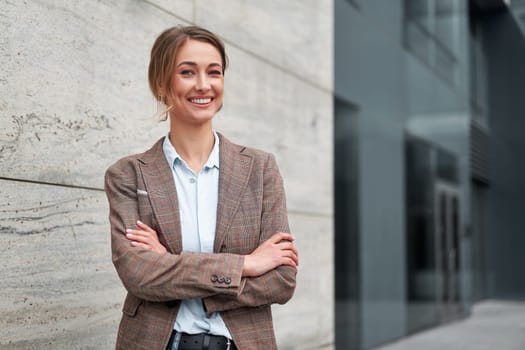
x,y
429,162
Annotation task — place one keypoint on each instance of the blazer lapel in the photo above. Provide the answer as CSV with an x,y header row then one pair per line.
x,y
234,172
159,183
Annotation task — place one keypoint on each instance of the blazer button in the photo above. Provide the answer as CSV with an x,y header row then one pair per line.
x,y
214,278
221,280
227,280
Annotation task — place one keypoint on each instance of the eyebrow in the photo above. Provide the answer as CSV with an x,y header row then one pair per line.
x,y
194,64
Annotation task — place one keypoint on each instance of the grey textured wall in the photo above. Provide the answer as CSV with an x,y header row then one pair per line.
x,y
74,98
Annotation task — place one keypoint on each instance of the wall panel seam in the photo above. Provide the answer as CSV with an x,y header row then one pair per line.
x,y
36,182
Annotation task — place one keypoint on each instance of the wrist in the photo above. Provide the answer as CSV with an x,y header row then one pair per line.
x,y
246,266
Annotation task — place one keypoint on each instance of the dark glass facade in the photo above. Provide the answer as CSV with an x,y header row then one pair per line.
x,y
426,153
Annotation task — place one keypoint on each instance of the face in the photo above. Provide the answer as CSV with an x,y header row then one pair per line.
x,y
197,86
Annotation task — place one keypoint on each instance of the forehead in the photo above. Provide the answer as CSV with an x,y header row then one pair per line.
x,y
198,52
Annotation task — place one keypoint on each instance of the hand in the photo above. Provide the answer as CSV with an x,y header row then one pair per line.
x,y
276,251
146,238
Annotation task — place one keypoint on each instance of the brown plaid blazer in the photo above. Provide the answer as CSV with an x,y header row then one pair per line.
x,y
251,208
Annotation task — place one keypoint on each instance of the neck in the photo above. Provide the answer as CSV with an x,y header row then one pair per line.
x,y
193,144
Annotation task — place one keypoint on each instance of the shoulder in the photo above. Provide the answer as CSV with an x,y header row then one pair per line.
x,y
258,155
129,164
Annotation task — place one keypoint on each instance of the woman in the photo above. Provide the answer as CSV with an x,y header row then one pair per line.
x,y
199,228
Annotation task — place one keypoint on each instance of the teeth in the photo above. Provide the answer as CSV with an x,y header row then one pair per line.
x,y
201,101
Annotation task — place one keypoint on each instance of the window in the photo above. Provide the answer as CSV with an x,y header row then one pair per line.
x,y
354,3
478,69
430,28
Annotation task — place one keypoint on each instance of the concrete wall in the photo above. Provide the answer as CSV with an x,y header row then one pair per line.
x,y
74,98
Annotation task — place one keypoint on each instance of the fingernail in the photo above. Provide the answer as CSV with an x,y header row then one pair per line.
x,y
139,222
128,230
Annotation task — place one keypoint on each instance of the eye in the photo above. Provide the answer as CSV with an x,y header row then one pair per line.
x,y
186,73
215,72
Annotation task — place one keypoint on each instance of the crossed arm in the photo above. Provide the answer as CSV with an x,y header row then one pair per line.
x,y
147,270
276,251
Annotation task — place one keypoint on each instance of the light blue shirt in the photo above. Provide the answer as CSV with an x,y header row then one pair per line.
x,y
198,196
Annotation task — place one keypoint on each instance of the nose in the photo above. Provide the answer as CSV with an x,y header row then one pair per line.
x,y
203,83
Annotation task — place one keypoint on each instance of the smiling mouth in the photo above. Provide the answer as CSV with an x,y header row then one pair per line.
x,y
201,101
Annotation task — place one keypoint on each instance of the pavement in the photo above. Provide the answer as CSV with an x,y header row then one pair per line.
x,y
493,325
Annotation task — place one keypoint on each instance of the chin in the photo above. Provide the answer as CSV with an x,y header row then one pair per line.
x,y
203,119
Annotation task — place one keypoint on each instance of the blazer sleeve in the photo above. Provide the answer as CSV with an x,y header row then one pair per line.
x,y
160,277
278,285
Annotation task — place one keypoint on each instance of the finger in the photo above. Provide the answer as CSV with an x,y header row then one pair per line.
x,y
281,236
138,236
129,234
140,233
289,262
134,232
286,236
140,245
288,246
294,257
145,227
274,239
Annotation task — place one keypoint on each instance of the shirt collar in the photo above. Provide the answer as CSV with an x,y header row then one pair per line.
x,y
213,159
171,153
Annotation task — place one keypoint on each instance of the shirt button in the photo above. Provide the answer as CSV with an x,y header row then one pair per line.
x,y
192,180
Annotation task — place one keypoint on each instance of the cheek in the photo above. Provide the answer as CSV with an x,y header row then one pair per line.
x,y
179,87
219,89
